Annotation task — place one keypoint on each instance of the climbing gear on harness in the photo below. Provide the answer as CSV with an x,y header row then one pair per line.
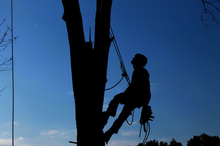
x,y
132,114
146,116
124,72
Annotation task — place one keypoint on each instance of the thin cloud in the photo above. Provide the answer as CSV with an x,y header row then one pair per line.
x,y
129,133
123,143
154,86
15,124
163,139
5,142
49,133
119,89
134,123
52,132
8,142
105,106
5,133
70,93
55,134
64,133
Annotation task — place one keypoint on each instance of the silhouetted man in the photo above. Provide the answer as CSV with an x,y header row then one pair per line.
x,y
135,96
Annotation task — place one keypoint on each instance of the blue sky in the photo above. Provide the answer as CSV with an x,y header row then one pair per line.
x,y
183,65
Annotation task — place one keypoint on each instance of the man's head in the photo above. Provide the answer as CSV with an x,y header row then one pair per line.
x,y
139,60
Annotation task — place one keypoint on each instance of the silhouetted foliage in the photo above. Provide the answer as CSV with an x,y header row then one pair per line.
x,y
210,12
161,143
152,143
174,143
204,140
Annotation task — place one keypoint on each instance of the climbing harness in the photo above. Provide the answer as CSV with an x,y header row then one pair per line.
x,y
124,72
146,116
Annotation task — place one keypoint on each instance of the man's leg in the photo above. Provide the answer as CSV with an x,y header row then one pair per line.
x,y
126,111
113,105
112,108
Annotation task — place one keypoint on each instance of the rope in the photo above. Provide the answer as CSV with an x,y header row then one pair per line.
x,y
12,50
124,72
119,56
131,119
115,84
147,132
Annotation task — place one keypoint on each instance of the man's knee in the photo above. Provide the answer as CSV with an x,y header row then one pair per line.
x,y
118,98
120,95
126,111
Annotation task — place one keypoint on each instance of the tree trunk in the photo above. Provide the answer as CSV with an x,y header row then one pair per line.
x,y
89,67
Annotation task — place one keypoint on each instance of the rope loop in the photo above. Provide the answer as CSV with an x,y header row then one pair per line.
x,y
115,84
131,119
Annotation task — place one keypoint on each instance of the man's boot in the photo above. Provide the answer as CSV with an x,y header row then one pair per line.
x,y
107,135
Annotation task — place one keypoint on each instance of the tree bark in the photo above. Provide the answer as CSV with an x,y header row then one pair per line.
x,y
89,67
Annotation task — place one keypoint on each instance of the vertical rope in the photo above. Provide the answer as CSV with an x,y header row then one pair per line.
x,y
12,50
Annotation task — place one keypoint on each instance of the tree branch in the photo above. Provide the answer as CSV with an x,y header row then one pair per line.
x,y
214,9
3,45
72,17
2,89
5,62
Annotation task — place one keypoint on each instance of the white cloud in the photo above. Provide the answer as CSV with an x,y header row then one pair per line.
x,y
5,133
118,112
70,93
134,123
15,124
52,132
154,86
64,133
8,142
49,133
129,133
119,89
5,142
20,139
55,134
163,139
105,106
123,143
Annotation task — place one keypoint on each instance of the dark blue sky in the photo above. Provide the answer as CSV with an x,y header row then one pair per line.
x,y
183,65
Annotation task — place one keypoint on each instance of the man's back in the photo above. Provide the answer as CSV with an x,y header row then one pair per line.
x,y
140,85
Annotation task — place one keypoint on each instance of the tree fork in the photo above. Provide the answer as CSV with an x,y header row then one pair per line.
x,y
88,73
